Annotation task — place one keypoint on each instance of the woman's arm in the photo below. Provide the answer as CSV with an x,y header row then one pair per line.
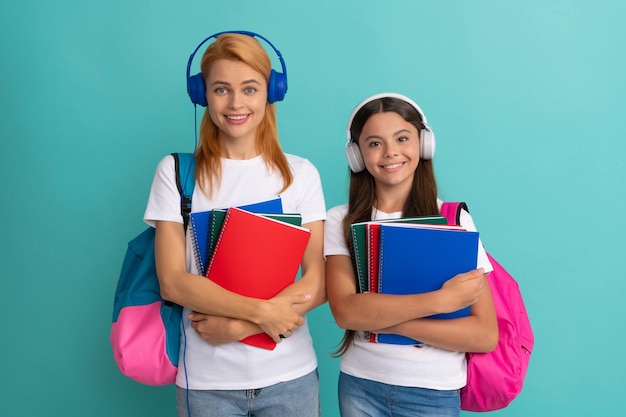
x,y
370,311
222,330
275,316
476,333
219,330
312,280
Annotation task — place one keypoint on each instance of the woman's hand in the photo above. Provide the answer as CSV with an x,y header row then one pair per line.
x,y
277,318
463,290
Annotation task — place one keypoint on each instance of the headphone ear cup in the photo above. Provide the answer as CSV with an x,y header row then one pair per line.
x,y
277,87
355,158
427,144
197,90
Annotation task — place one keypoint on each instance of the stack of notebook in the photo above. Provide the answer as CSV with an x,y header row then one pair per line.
x,y
204,228
255,254
411,256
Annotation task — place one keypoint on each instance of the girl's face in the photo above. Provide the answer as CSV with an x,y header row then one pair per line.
x,y
236,95
390,148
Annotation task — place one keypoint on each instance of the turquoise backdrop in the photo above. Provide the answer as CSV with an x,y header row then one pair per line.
x,y
525,99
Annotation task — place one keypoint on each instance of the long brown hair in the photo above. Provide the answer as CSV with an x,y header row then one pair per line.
x,y
244,48
421,201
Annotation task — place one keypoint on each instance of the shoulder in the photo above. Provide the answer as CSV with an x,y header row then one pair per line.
x,y
305,174
166,165
300,164
336,214
305,194
164,198
467,222
334,241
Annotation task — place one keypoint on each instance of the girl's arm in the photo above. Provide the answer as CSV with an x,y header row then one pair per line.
x,y
275,316
476,333
224,330
370,311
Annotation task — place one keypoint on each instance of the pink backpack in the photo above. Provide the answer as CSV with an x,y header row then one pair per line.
x,y
494,379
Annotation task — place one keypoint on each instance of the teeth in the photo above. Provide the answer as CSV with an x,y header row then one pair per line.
x,y
236,117
392,166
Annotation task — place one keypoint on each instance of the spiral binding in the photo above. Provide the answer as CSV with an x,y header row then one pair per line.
x,y
373,261
196,248
359,272
381,233
219,238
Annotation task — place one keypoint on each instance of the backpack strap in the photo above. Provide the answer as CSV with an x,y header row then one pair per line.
x,y
185,164
452,212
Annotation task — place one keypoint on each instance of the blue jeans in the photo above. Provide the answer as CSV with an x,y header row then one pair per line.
x,y
299,397
364,398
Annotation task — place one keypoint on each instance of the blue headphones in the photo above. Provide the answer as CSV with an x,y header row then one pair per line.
x,y
276,87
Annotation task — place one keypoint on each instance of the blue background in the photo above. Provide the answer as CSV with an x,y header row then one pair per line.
x,y
525,98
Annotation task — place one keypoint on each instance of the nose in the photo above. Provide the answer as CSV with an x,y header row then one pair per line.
x,y
235,100
390,151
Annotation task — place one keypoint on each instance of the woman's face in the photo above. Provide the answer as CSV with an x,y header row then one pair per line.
x,y
390,148
236,96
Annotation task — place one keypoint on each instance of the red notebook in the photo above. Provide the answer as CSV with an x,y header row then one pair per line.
x,y
372,231
258,257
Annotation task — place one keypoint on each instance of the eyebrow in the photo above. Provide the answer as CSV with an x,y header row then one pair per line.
x,y
401,131
246,82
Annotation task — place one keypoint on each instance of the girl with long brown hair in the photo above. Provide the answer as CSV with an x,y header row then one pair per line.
x,y
390,149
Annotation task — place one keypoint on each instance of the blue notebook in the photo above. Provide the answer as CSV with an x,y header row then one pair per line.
x,y
200,225
414,260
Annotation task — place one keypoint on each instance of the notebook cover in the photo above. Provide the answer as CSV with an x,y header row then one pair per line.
x,y
416,260
258,257
200,224
218,216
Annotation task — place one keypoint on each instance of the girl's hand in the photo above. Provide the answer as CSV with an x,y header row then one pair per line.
x,y
221,330
463,290
277,318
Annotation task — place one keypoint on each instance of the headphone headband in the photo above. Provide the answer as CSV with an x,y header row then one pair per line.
x,y
385,95
277,85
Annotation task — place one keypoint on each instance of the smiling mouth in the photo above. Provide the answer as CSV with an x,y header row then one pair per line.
x,y
393,166
237,118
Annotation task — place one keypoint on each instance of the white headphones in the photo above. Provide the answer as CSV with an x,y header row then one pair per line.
x,y
427,137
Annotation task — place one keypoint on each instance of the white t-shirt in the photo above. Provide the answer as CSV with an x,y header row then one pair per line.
x,y
237,365
425,366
